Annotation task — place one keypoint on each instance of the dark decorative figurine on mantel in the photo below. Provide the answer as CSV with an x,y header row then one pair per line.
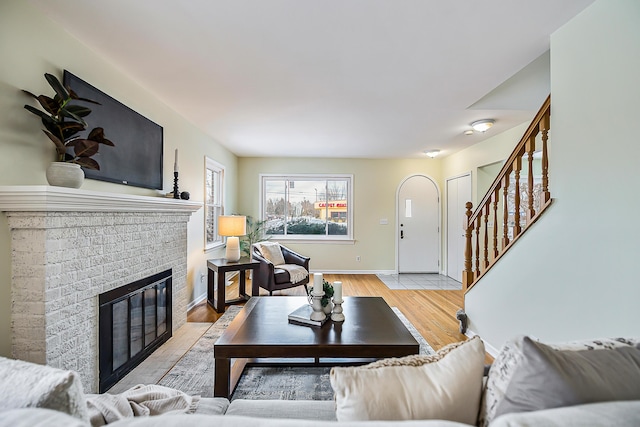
x,y
176,193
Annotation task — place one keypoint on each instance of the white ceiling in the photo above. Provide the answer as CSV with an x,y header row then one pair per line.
x,y
330,78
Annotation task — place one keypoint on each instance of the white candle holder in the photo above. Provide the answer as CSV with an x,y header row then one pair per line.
x,y
316,304
337,315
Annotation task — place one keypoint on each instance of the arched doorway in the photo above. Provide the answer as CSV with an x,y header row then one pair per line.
x,y
418,225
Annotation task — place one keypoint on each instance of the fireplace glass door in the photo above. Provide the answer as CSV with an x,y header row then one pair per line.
x,y
135,320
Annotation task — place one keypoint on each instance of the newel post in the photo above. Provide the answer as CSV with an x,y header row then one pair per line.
x,y
467,274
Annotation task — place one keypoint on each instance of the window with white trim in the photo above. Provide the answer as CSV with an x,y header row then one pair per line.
x,y
317,207
213,202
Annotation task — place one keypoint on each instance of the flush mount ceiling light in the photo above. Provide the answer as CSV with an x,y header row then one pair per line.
x,y
432,153
482,125
468,132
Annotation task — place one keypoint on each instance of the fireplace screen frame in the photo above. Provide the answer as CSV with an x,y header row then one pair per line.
x,y
108,375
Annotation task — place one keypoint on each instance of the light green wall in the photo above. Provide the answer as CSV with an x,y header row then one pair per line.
x,y
573,275
495,149
31,45
472,159
375,186
486,175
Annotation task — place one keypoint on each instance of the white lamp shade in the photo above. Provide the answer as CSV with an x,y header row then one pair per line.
x,y
232,225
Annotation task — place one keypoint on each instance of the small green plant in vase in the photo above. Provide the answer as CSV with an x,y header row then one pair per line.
x,y
328,293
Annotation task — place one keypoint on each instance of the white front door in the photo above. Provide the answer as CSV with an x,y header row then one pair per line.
x,y
418,226
458,194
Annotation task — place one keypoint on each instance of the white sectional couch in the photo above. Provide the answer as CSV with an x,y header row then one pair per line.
x,y
588,383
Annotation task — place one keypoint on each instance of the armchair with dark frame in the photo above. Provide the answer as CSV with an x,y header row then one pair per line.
x,y
272,278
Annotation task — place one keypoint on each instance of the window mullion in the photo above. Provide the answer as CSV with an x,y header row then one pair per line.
x,y
285,208
326,208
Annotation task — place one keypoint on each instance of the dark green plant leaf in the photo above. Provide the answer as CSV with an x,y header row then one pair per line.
x,y
53,127
71,126
69,114
69,129
57,86
30,94
84,147
60,147
37,112
50,105
78,110
88,163
75,96
327,288
97,134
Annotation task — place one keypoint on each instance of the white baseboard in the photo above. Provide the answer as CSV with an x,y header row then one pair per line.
x,y
230,277
353,271
203,296
196,301
488,347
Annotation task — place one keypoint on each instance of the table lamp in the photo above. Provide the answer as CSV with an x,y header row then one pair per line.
x,y
232,226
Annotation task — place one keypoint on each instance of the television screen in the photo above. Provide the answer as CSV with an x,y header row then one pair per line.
x,y
136,158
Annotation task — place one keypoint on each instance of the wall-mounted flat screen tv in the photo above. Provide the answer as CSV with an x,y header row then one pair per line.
x,y
136,158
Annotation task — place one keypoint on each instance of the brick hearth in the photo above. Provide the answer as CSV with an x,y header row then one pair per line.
x,y
67,247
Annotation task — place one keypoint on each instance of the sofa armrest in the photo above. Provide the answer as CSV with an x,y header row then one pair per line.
x,y
603,414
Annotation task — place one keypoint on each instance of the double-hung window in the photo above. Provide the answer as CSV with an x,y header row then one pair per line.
x,y
214,202
308,207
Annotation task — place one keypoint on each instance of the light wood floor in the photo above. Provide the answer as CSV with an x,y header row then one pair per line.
x,y
433,313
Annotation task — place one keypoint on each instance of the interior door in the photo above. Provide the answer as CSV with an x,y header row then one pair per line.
x,y
458,194
418,223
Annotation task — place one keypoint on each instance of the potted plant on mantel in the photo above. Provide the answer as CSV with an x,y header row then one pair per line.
x,y
62,121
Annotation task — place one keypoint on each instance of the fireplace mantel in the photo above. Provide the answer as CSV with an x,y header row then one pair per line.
x,y
43,198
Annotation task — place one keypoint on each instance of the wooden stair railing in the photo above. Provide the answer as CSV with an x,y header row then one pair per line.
x,y
502,216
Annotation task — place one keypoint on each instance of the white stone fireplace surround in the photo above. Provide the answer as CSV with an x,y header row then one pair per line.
x,y
67,247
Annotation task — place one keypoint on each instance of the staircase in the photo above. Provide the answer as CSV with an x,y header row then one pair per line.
x,y
515,200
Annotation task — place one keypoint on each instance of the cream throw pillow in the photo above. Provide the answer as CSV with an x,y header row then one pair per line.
x,y
445,386
272,252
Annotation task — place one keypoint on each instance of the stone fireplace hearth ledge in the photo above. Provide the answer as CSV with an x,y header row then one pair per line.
x,y
67,247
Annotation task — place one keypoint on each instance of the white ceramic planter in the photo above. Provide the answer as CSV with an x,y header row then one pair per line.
x,y
63,174
327,308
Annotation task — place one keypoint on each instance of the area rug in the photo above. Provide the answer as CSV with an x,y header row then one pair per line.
x,y
193,373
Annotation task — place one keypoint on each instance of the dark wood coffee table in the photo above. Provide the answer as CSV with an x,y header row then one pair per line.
x,y
262,331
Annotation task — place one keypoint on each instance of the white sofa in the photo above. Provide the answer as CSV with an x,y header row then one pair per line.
x,y
594,383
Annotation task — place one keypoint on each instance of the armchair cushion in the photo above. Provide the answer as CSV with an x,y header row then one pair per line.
x,y
281,276
272,252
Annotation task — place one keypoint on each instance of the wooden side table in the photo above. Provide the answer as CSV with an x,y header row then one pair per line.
x,y
221,266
